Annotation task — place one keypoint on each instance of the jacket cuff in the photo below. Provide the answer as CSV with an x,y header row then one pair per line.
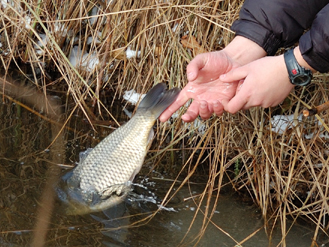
x,y
261,36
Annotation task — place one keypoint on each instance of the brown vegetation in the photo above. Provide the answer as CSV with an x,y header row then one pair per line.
x,y
286,174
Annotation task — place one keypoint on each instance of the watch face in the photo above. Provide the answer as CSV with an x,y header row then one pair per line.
x,y
301,80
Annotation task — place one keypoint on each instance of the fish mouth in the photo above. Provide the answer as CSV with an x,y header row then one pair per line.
x,y
79,207
76,201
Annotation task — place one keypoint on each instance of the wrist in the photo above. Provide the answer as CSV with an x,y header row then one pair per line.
x,y
299,72
242,50
301,61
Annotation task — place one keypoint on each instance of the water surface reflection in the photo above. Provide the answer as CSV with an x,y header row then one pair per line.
x,y
24,161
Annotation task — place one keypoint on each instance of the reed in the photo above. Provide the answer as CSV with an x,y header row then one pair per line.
x,y
85,48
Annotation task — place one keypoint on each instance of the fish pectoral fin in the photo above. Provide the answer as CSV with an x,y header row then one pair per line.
x,y
150,137
119,190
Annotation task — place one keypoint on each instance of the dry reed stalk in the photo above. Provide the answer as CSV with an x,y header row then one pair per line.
x,y
316,110
286,173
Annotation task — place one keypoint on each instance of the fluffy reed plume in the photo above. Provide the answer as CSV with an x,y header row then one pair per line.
x,y
87,47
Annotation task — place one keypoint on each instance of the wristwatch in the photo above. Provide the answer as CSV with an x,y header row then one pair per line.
x,y
298,75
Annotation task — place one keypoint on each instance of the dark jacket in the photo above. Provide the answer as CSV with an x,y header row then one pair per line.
x,y
281,23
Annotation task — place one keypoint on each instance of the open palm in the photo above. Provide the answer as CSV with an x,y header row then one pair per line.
x,y
205,87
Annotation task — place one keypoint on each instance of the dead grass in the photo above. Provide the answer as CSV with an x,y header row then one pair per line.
x,y
286,174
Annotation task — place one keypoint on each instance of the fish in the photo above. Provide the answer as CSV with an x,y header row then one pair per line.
x,y
104,177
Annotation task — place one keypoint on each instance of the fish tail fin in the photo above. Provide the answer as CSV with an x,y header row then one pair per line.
x,y
158,99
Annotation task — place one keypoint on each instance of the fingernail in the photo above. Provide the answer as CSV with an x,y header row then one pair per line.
x,y
203,105
222,76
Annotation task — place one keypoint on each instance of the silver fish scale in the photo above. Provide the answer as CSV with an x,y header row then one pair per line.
x,y
118,158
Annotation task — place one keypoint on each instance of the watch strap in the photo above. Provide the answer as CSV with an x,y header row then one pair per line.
x,y
295,71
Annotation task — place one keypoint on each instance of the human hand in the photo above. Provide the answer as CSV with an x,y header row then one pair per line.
x,y
204,87
265,83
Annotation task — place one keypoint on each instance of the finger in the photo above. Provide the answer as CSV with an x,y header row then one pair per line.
x,y
235,104
192,112
193,68
235,74
204,110
180,101
218,108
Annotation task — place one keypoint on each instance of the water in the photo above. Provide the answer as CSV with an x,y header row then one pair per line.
x,y
25,166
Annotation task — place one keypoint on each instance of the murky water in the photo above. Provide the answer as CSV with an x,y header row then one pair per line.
x,y
25,159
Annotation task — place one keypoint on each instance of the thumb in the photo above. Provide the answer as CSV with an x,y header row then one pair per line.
x,y
193,68
235,104
234,75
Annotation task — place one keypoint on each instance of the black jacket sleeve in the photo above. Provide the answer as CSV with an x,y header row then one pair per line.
x,y
314,44
281,23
